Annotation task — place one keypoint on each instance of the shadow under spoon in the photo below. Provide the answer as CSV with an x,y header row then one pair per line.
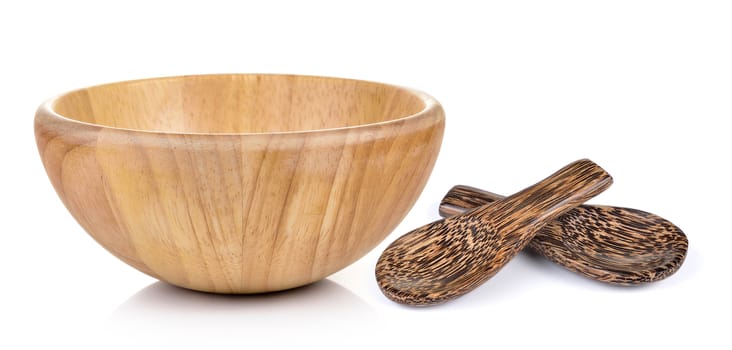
x,y
610,244
450,257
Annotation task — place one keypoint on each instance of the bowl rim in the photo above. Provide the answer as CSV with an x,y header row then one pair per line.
x,y
431,107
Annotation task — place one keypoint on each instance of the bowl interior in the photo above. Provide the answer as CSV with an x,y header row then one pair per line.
x,y
238,104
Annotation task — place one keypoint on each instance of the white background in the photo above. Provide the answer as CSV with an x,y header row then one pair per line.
x,y
644,88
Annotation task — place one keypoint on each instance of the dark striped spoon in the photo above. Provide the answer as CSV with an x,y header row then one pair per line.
x,y
450,257
610,244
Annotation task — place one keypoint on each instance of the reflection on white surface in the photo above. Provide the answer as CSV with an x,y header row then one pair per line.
x,y
166,315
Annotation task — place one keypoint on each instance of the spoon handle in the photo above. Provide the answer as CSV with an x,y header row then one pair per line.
x,y
462,198
543,202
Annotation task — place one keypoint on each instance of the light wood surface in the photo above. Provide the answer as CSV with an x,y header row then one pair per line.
x,y
239,183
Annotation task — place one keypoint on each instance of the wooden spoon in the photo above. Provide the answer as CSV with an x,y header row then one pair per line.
x,y
610,244
450,257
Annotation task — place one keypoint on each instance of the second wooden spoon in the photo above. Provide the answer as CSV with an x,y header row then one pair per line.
x,y
452,256
610,244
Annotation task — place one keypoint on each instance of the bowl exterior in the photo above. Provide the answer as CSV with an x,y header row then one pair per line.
x,y
239,213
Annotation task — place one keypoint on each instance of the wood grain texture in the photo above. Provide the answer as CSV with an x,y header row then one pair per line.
x,y
450,257
615,245
239,183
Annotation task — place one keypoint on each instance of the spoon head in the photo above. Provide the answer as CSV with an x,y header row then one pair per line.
x,y
614,245
440,261
448,258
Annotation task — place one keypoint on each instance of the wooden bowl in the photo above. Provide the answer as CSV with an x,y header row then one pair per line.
x,y
239,183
